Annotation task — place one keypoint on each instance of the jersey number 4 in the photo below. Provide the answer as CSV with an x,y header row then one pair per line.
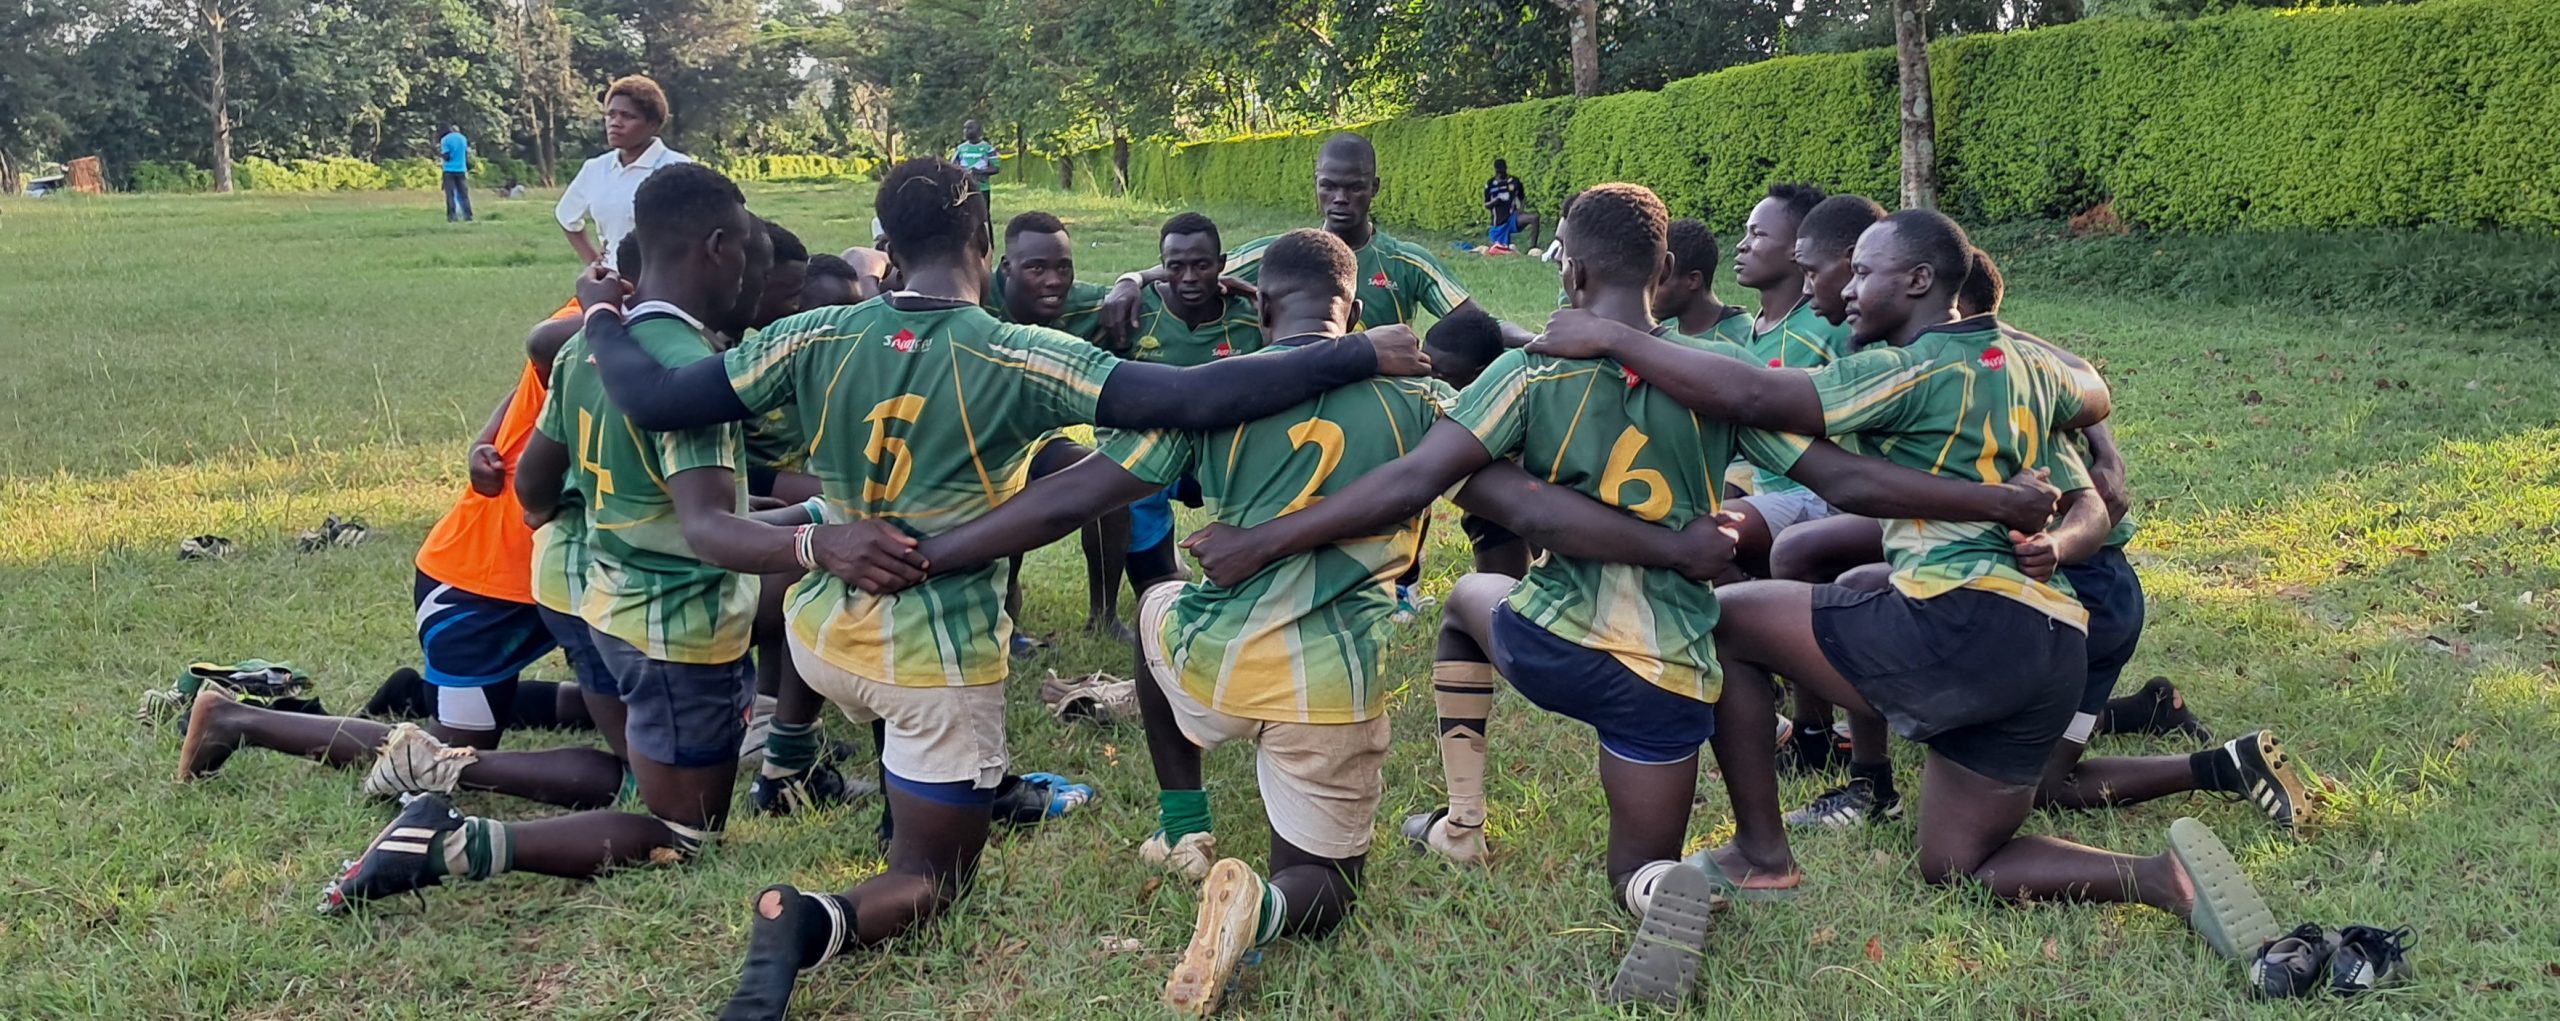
x,y
587,439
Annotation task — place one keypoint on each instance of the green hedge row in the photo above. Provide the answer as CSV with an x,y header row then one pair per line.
x,y
339,173
2445,112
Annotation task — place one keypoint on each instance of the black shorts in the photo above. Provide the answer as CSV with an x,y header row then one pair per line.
x,y
1985,680
1637,720
2109,588
687,715
1483,532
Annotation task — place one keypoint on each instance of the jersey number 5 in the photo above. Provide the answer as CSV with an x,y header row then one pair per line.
x,y
1328,440
890,452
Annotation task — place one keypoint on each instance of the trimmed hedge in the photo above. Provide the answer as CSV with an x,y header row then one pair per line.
x,y
2446,112
339,173
745,169
156,176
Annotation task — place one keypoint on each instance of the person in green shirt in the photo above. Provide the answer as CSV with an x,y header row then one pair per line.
x,y
1685,299
923,410
1788,331
1613,627
1968,648
670,628
1189,318
1035,284
979,157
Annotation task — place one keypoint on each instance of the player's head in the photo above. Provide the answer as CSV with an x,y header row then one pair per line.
x,y
1501,168
970,131
1461,344
1823,243
695,236
932,215
452,128
1691,275
635,110
829,281
1613,240
626,256
1346,182
780,294
1039,267
1908,267
1765,257
1192,252
1984,288
1308,277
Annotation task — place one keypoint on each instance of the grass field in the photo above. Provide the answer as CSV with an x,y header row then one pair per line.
x,y
2352,534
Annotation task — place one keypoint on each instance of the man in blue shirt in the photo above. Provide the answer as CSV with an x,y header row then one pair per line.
x,y
457,174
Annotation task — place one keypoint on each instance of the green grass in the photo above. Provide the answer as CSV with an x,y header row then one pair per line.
x,y
2321,498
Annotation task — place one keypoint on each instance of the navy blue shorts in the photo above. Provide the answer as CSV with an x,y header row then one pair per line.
x,y
1151,520
471,640
578,646
687,715
1985,680
2112,592
1637,721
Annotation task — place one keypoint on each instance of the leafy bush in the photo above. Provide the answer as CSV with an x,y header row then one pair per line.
x,y
414,173
492,171
815,169
170,176
2439,113
334,173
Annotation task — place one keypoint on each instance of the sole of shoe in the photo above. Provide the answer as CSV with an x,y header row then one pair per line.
x,y
2266,758
1421,831
1662,965
198,712
1230,911
2228,911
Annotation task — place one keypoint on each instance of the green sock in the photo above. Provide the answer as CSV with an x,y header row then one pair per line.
x,y
479,850
790,748
1275,913
630,793
1182,813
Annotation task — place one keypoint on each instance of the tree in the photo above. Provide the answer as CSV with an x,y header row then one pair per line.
x,y
1919,137
38,76
1586,46
210,25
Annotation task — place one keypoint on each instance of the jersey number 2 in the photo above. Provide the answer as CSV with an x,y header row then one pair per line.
x,y
1328,440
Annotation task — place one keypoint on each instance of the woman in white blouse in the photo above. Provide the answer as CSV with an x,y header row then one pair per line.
x,y
635,110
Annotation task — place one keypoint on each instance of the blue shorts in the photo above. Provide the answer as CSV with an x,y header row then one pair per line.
x,y
687,715
1637,721
1151,520
471,640
578,646
2112,593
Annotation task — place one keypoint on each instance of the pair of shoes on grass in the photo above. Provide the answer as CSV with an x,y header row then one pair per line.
x,y
2348,962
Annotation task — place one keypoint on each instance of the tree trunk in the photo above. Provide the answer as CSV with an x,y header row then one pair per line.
x,y
216,25
1120,162
1919,132
1586,49
1020,172
8,176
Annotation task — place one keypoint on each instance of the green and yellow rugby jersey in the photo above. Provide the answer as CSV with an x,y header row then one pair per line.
x,y
1962,401
1080,315
560,552
1165,337
1398,279
1801,340
1296,643
643,583
1594,426
923,416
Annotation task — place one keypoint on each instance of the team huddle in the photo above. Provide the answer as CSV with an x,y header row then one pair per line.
x,y
737,483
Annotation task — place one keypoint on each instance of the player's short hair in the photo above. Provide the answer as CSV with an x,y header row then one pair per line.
x,y
1693,247
929,208
1565,211
1191,223
1033,222
786,245
643,92
1618,232
1833,225
678,204
1984,288
828,264
1309,260
1926,236
1350,146
1797,198
626,256
1472,334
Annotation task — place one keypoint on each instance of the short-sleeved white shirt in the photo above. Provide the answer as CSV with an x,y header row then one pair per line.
x,y
602,192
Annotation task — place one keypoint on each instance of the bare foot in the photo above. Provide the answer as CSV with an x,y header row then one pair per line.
x,y
207,742
1751,875
2166,885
